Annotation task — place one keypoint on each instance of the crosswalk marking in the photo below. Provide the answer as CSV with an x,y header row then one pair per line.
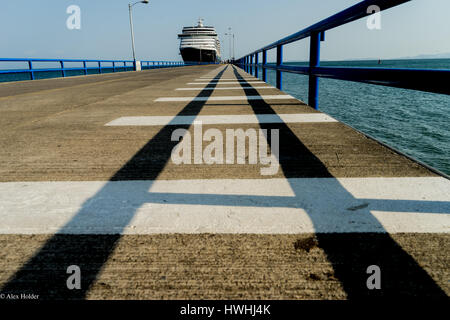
x,y
246,79
226,98
226,82
224,88
258,206
222,119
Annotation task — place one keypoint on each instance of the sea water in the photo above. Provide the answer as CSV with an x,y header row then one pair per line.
x,y
414,122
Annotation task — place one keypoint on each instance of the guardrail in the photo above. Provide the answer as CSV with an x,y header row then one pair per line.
x,y
85,66
436,81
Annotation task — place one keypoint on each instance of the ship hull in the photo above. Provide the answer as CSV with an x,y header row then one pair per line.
x,y
198,55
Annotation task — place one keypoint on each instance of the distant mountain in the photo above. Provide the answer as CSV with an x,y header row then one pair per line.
x,y
421,56
430,56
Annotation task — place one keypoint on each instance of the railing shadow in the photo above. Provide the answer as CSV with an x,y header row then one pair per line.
x,y
45,273
350,254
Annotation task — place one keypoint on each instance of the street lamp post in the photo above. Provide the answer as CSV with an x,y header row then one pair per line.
x,y
130,6
233,49
231,35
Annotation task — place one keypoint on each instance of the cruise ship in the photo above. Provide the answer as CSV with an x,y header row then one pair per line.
x,y
199,44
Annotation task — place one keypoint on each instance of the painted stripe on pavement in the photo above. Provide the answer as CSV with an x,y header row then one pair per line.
x,y
226,98
229,79
260,206
223,88
222,119
224,82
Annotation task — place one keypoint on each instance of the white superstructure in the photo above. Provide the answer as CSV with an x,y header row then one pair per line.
x,y
200,43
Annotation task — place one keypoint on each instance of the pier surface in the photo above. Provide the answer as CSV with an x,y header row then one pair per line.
x,y
88,178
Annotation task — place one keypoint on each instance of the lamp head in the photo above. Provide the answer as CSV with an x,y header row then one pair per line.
x,y
145,1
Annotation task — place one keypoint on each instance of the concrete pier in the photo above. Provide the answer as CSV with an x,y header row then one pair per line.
x,y
92,174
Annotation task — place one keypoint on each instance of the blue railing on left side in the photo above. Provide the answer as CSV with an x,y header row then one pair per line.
x,y
435,81
84,66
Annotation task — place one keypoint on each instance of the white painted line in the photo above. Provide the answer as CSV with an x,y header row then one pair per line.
x,y
222,119
228,80
259,206
246,79
223,88
213,78
225,82
227,98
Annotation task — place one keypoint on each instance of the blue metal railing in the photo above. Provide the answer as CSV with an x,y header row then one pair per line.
x,y
85,66
436,81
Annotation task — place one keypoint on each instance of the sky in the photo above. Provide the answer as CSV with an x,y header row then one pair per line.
x,y
37,29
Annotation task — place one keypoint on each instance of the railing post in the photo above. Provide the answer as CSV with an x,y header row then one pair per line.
x,y
99,67
30,66
256,64
279,63
85,68
251,64
314,61
264,62
63,73
114,66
